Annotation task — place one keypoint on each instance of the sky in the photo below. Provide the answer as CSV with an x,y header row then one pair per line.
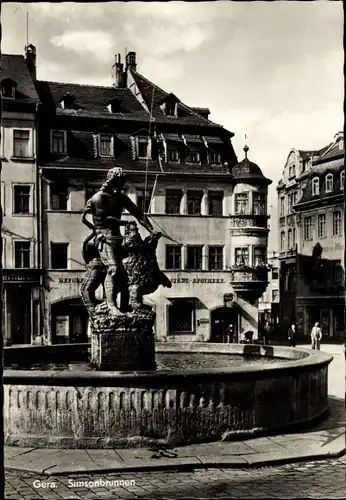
x,y
270,70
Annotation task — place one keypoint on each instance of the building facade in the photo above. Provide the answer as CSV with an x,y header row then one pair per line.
x,y
269,302
183,172
311,205
21,269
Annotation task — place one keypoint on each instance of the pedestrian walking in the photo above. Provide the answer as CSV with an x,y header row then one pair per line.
x,y
267,333
292,335
316,335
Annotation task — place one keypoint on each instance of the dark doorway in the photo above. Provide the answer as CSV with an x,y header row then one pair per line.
x,y
69,322
224,325
19,312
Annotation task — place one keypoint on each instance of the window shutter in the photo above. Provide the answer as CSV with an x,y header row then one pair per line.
x,y
134,147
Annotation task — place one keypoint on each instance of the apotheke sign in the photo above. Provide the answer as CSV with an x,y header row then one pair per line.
x,y
21,276
198,280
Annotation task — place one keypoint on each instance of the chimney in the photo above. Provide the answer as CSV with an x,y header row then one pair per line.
x,y
118,73
30,57
131,61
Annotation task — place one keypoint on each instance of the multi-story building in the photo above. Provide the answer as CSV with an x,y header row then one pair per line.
x,y
311,205
182,171
21,254
268,303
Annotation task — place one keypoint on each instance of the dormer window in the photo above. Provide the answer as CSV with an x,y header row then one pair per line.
x,y
315,186
292,171
8,88
143,148
193,157
342,180
214,158
170,105
68,101
114,106
329,183
106,145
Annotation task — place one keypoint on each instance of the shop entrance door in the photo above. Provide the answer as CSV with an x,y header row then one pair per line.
x,y
224,325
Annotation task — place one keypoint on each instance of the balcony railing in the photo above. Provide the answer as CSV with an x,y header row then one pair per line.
x,y
240,221
249,282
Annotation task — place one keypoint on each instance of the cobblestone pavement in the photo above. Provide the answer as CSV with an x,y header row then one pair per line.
x,y
321,479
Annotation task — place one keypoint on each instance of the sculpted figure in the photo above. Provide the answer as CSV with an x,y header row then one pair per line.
x,y
143,273
106,207
95,273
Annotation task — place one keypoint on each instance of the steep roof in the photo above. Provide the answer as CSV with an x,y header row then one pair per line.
x,y
92,99
14,66
153,96
248,170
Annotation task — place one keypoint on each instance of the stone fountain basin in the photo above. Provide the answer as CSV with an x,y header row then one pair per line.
x,y
101,409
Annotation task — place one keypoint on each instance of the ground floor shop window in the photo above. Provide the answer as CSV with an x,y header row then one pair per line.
x,y
69,322
181,316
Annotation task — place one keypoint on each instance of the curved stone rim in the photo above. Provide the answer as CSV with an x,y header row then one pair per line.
x,y
302,358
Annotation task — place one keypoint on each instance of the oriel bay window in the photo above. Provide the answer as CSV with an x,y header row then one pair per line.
x,y
241,203
242,256
194,201
259,256
143,199
21,143
215,199
21,194
258,204
173,257
173,200
22,254
194,258
181,316
215,258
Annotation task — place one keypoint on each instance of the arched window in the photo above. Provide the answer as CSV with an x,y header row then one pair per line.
x,y
342,180
329,183
315,186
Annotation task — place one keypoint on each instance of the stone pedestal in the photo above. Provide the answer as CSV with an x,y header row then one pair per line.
x,y
123,350
122,343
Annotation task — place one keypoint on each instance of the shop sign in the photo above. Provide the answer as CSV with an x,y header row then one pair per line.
x,y
204,321
198,280
21,276
79,281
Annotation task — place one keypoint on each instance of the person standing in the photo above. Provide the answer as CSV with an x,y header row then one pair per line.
x,y
292,335
267,332
316,335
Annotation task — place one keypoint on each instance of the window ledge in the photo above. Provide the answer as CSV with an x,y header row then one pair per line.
x,y
23,215
22,159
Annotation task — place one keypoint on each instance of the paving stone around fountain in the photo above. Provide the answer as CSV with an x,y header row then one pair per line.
x,y
101,409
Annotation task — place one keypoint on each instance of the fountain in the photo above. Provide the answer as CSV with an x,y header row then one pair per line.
x,y
119,394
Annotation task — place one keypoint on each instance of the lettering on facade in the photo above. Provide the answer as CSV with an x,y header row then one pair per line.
x,y
204,321
71,280
20,278
197,280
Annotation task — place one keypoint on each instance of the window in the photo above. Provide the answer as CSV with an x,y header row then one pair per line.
x,y
8,88
292,171
58,141
241,203
194,201
171,107
337,268
194,257
172,155
329,183
282,206
275,273
143,199
215,258
106,145
337,223
215,199
294,237
58,196
259,256
275,295
22,254
181,316
242,256
21,199
307,228
259,204
173,200
21,143
315,186
289,239
321,225
143,147
173,257
282,240
214,158
295,198
342,180
58,252
193,157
